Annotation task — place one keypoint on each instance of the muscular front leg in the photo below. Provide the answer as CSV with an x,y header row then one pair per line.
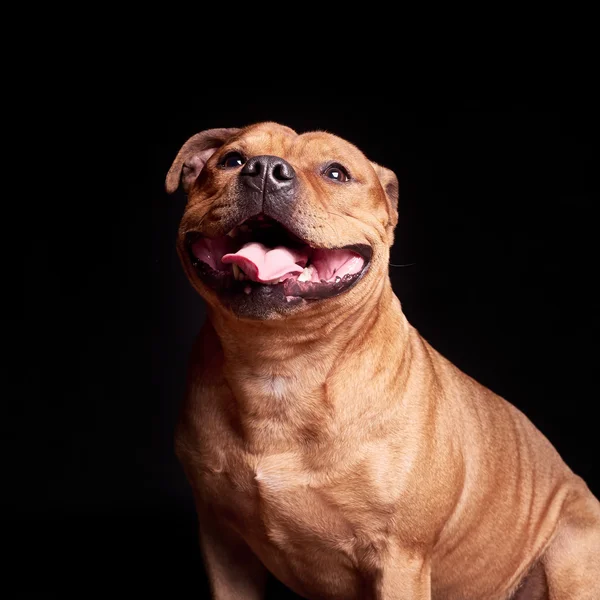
x,y
572,562
404,576
233,570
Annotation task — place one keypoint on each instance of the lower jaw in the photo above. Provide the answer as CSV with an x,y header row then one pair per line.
x,y
252,300
259,300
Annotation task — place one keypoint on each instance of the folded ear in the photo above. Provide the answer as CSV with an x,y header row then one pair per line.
x,y
389,182
193,155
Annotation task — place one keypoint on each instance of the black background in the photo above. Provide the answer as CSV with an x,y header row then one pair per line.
x,y
497,229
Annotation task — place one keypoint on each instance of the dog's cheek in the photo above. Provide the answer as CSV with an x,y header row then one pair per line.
x,y
386,221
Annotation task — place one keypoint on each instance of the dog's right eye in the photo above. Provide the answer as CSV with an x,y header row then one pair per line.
x,y
232,160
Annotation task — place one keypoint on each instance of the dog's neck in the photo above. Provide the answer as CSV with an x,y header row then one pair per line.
x,y
279,371
278,346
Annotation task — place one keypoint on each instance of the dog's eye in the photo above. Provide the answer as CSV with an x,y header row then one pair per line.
x,y
232,160
337,173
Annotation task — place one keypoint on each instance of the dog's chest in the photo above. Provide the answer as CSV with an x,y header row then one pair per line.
x,y
307,514
301,522
273,496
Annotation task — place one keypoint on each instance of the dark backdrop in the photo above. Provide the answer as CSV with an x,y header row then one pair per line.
x,y
494,262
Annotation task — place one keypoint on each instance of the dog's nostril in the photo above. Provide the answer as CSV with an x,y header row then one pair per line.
x,y
252,167
283,171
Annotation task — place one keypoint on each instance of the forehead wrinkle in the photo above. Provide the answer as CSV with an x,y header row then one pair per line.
x,y
330,145
269,142
268,136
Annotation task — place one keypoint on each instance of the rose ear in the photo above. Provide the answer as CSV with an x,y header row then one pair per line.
x,y
389,182
192,157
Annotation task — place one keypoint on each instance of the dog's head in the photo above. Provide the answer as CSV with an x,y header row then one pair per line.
x,y
277,222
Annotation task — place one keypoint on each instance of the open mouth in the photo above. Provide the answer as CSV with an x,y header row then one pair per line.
x,y
261,252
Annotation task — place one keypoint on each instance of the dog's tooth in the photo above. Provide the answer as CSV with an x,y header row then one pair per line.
x,y
306,275
247,289
338,279
236,272
233,232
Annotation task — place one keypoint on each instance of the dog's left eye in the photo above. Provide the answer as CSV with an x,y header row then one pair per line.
x,y
337,173
232,160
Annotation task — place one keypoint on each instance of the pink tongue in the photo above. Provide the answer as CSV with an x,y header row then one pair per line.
x,y
331,264
265,264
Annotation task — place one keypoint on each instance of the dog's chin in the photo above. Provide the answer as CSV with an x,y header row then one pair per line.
x,y
261,270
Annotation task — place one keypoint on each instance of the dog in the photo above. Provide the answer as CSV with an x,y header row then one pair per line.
x,y
324,439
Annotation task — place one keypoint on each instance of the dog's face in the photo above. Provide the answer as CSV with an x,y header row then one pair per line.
x,y
277,222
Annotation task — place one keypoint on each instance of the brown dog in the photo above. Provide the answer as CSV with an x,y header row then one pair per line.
x,y
313,454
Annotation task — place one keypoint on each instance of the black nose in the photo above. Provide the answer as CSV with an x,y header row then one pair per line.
x,y
269,173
